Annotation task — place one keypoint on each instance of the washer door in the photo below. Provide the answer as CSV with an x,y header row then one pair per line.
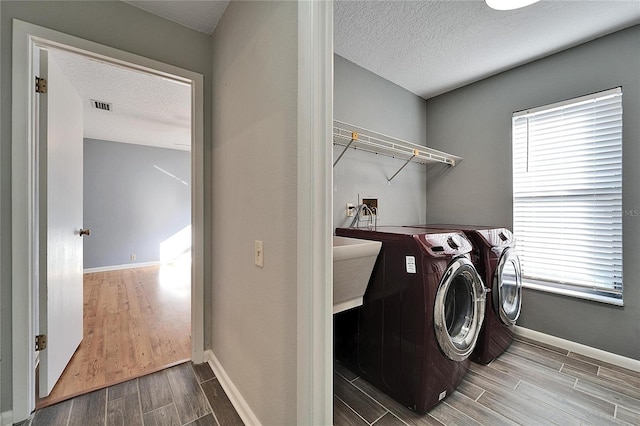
x,y
459,309
507,287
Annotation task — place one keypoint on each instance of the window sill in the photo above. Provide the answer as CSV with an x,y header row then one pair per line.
x,y
585,294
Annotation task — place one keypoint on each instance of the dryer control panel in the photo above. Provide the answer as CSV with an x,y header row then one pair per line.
x,y
497,237
445,244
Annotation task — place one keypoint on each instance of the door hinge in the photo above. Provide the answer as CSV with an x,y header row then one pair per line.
x,y
41,342
41,85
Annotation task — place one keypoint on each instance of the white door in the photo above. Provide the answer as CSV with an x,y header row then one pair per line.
x,y
60,159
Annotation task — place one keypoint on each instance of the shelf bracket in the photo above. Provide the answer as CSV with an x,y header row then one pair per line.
x,y
354,137
415,152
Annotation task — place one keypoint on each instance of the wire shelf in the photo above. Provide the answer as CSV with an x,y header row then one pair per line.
x,y
350,136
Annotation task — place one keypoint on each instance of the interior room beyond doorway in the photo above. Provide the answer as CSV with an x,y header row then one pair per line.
x,y
136,190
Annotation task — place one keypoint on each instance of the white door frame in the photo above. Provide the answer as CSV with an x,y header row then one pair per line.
x,y
315,213
24,222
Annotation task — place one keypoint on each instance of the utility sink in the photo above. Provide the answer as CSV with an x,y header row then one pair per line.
x,y
353,261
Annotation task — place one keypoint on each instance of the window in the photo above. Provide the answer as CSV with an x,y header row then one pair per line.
x,y
567,196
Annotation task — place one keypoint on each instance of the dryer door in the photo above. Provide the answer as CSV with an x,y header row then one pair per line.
x,y
507,287
459,309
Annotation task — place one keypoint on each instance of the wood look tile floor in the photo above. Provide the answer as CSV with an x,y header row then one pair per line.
x,y
530,384
186,394
136,321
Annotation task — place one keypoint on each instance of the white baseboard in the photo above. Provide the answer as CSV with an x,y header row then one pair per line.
x,y
120,267
238,402
6,418
599,354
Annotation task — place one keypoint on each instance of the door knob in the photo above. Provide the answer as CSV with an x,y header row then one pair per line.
x,y
85,232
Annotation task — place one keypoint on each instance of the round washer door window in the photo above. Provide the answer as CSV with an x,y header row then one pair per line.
x,y
459,309
507,287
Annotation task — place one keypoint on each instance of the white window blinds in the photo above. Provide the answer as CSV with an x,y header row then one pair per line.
x,y
567,196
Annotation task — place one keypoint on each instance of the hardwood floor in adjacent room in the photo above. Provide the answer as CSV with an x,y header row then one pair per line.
x,y
136,321
530,384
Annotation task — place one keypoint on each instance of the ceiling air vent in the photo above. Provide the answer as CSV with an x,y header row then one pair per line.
x,y
105,106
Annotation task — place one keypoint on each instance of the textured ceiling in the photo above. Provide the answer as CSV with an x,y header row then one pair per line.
x,y
200,15
431,47
428,47
147,109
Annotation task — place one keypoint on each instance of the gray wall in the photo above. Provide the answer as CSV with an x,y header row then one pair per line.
x,y
475,123
114,24
364,99
129,204
253,310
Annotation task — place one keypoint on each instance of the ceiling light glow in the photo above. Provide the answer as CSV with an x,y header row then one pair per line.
x,y
509,4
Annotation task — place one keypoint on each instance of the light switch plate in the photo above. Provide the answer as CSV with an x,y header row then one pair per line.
x,y
259,253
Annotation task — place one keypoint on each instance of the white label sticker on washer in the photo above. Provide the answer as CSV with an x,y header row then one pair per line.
x,y
411,264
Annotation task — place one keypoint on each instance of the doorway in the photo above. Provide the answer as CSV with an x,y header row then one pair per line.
x,y
27,38
136,202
